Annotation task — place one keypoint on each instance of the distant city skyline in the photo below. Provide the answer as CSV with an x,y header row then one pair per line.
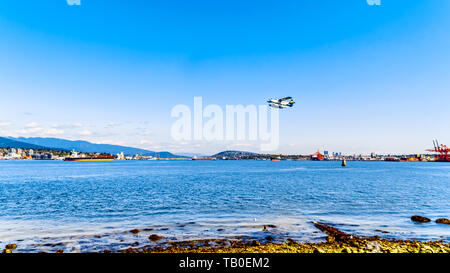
x,y
365,78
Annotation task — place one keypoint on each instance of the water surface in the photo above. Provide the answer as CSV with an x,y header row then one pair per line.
x,y
90,206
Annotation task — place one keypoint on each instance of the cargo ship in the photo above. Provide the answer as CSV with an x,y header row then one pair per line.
x,y
90,158
395,159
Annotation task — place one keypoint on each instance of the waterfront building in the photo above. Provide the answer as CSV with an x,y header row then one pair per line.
x,y
12,154
120,156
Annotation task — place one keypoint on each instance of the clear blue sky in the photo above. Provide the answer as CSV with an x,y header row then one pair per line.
x,y
365,78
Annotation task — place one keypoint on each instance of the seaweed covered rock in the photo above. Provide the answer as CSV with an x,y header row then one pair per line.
x,y
333,233
420,219
155,237
11,246
135,231
443,221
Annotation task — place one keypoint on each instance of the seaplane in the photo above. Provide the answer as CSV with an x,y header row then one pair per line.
x,y
281,103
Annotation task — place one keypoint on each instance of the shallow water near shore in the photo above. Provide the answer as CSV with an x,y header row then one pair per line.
x,y
91,206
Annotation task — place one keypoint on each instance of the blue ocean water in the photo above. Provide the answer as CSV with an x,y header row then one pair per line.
x,y
89,206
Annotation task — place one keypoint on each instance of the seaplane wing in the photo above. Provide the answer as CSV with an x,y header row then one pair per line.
x,y
279,100
284,99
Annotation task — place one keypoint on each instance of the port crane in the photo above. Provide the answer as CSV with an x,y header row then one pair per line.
x,y
442,150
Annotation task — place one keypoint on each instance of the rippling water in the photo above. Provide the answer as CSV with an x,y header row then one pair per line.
x,y
89,206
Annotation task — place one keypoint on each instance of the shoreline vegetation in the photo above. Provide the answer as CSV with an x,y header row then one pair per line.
x,y
336,242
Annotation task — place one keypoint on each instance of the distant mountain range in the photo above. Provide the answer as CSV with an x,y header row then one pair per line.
x,y
11,143
77,145
39,143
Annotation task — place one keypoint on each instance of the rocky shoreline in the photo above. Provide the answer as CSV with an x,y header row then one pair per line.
x,y
336,242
